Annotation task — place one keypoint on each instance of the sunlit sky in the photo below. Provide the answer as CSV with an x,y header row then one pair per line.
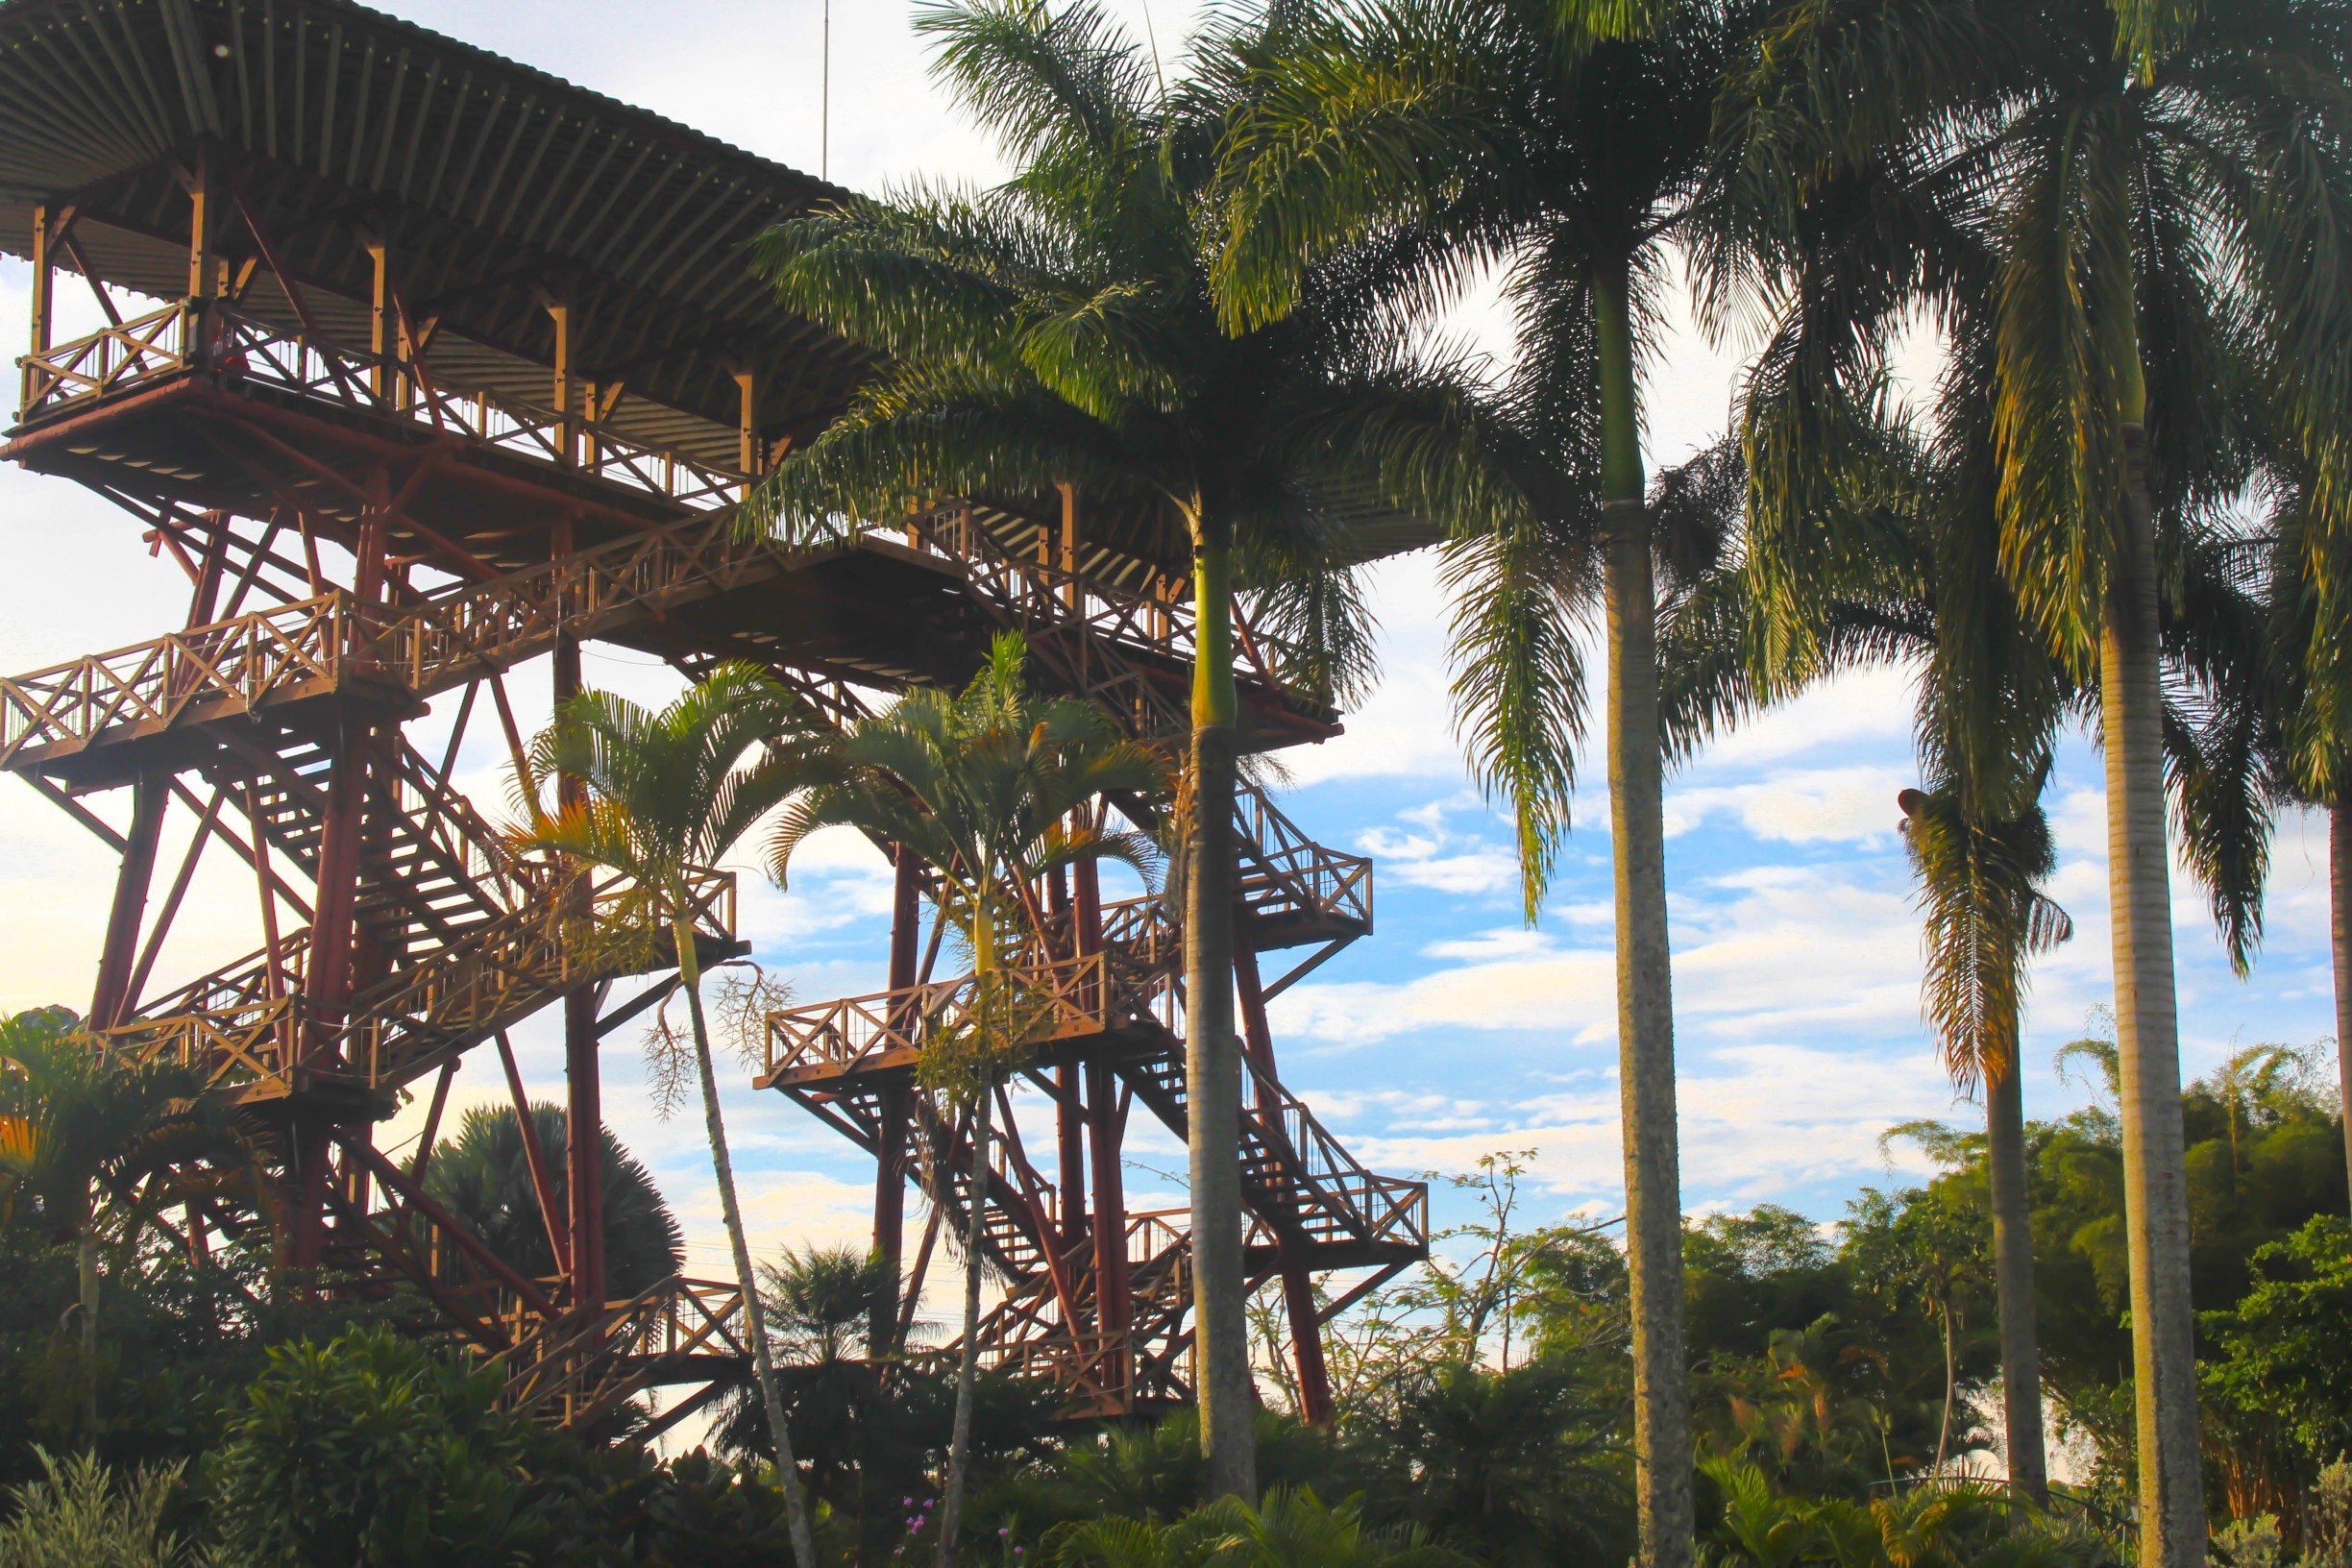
x,y
1454,1030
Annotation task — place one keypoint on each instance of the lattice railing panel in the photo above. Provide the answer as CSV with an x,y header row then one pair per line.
x,y
185,336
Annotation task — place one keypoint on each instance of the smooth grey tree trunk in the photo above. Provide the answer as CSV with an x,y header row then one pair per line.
x,y
1645,1045
1212,1058
2148,1034
968,1365
2013,1276
756,1327
2339,943
85,1270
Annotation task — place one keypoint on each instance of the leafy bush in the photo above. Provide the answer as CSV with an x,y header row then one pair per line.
x,y
370,1452
77,1516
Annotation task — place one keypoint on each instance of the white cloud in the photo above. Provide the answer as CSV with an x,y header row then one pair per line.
x,y
1821,806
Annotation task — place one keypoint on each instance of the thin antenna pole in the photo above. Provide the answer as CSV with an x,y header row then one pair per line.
x,y
825,100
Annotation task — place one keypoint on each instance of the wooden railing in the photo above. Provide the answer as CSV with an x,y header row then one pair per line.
x,y
245,1030
189,335
1108,628
1028,1334
889,1029
316,646
1287,877
117,359
572,1370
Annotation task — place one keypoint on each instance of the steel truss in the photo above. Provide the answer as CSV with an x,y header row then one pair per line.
x,y
396,930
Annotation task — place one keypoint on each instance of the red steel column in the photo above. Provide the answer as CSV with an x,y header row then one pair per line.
x,y
1070,1102
1114,1300
108,1002
1298,1283
584,1074
329,975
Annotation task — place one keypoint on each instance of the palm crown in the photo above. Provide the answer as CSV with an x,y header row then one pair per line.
x,y
988,786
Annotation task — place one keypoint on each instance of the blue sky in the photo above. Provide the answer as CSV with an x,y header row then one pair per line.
x,y
1454,1030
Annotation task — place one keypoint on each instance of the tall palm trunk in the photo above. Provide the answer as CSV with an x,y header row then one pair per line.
x,y
1645,999
2339,942
1952,1378
2012,1275
975,1233
968,1365
723,1167
85,1270
1213,1062
2147,1025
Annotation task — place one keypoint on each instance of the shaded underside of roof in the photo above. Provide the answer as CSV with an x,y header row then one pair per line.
x,y
496,189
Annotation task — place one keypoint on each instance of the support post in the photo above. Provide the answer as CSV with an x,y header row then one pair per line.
x,y
1069,544
1298,1281
335,958
584,1074
382,329
1069,1097
203,275
1307,1342
44,275
562,314
111,1000
891,1145
44,296
747,428
1113,1309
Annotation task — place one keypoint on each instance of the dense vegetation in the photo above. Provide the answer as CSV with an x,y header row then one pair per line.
x,y
1219,305
1483,1404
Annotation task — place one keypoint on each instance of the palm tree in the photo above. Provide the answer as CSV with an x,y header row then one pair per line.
x,y
666,793
1565,141
1985,917
2311,685
483,1177
2149,180
989,786
1059,330
80,1128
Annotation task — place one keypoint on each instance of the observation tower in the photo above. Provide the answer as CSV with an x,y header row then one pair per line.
x,y
420,364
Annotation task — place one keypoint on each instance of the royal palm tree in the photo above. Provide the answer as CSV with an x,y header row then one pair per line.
x,y
666,795
993,789
81,1128
1059,330
1564,139
2151,180
2310,690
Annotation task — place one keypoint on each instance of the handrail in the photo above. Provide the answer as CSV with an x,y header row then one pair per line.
x,y
189,335
250,1037
289,652
1114,624
1091,995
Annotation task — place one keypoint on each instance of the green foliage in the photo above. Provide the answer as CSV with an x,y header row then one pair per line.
x,y
1948,1526
1291,1528
482,1176
2286,1348
1529,1466
368,1451
79,1515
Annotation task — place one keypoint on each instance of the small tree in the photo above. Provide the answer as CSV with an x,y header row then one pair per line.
x,y
987,787
78,1129
668,794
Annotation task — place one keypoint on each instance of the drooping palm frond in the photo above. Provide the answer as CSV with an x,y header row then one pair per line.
x,y
1523,599
1984,918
